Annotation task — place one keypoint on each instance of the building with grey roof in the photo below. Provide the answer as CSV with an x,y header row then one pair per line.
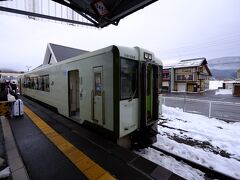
x,y
191,75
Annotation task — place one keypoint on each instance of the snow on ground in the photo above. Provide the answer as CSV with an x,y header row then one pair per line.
x,y
215,84
207,141
223,91
172,164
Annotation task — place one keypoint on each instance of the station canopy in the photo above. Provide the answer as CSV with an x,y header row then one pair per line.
x,y
99,13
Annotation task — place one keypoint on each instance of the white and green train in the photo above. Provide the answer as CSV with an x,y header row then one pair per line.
x,y
114,89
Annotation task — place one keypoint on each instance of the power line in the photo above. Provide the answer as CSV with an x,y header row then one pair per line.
x,y
233,38
208,44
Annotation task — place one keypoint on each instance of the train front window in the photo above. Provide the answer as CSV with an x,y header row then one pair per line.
x,y
129,79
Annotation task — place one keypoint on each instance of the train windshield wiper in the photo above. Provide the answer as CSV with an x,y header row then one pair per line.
x,y
136,87
133,95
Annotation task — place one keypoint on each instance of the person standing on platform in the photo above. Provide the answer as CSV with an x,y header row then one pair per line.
x,y
13,86
5,105
4,89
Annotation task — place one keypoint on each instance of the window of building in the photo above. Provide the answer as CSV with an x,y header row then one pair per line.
x,y
166,75
184,77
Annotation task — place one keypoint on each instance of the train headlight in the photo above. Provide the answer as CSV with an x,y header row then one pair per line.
x,y
150,57
147,56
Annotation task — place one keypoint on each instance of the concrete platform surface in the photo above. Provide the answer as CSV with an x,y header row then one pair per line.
x,y
54,147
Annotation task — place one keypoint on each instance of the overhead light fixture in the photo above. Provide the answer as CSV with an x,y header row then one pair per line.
x,y
100,8
67,1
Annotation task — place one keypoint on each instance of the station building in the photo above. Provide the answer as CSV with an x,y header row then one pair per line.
x,y
56,53
10,75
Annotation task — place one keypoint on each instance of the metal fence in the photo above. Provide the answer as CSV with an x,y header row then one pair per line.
x,y
227,111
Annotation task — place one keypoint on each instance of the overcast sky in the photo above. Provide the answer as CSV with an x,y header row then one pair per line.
x,y
172,29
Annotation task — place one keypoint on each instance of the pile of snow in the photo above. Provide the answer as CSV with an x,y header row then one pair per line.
x,y
172,164
215,84
223,91
219,149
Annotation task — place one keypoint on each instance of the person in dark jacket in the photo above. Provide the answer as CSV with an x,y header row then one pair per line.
x,y
4,88
13,86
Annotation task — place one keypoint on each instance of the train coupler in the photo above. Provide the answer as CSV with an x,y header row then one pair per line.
x,y
143,138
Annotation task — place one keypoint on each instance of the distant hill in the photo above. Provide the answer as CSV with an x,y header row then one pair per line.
x,y
7,70
232,62
224,68
224,74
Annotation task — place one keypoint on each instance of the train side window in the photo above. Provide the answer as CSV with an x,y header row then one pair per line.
x,y
98,83
43,88
28,82
39,83
129,79
45,83
35,83
31,83
25,82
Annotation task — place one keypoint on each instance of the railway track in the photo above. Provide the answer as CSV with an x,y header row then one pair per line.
x,y
209,173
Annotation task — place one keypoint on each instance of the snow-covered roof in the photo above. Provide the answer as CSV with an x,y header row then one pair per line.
x,y
191,63
167,67
237,82
230,82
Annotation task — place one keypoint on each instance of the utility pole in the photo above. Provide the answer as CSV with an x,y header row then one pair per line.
x,y
28,67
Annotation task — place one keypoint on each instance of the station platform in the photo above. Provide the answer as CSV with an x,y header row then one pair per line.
x,y
54,147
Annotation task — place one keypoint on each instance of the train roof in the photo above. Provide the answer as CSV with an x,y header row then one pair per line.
x,y
138,51
128,52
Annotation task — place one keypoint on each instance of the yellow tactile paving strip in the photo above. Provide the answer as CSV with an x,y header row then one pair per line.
x,y
4,108
86,165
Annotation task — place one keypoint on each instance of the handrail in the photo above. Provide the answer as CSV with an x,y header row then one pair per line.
x,y
202,100
92,104
103,107
212,111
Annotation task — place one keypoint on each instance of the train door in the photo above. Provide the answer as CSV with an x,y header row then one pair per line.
x,y
19,86
98,95
149,93
73,92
